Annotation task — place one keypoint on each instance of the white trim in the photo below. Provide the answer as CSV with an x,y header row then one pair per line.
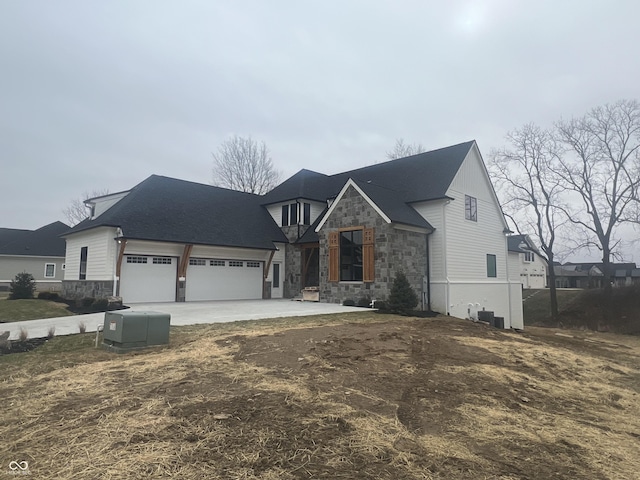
x,y
45,270
475,282
33,256
410,228
353,184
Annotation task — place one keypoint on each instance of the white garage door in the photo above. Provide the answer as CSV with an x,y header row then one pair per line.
x,y
215,279
148,279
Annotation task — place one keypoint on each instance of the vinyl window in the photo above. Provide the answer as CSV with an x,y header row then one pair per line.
x,y
235,263
217,263
200,262
49,270
492,270
470,208
84,251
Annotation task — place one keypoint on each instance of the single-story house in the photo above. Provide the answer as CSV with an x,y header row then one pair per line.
x,y
39,252
434,216
526,262
590,275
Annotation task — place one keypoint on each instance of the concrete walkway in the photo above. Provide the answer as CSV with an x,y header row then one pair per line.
x,y
191,313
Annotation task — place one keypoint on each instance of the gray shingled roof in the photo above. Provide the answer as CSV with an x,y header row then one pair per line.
x,y
425,176
170,210
43,242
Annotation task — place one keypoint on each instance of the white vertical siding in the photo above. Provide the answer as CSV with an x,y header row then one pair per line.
x,y
433,213
101,254
469,242
514,266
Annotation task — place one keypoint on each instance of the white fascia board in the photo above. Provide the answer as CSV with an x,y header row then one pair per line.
x,y
351,183
411,228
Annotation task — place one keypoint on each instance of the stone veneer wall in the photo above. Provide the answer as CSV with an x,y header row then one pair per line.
x,y
293,262
77,289
394,249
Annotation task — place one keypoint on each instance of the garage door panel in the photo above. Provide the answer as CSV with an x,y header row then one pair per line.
x,y
146,278
223,280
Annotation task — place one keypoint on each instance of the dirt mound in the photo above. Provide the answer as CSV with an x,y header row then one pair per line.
x,y
370,396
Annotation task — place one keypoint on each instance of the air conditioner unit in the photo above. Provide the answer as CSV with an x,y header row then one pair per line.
x,y
128,330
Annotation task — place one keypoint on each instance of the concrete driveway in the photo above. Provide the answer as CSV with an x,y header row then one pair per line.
x,y
191,313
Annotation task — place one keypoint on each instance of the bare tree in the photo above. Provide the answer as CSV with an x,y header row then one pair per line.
x,y
601,167
76,211
402,149
244,164
530,193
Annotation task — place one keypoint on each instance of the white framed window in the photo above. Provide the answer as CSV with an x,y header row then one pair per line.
x,y
49,270
217,263
197,261
528,257
236,263
470,208
162,260
135,259
253,264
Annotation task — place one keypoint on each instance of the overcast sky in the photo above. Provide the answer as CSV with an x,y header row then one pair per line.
x,y
102,94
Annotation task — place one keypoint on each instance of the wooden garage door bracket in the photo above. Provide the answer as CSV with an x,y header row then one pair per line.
x,y
122,245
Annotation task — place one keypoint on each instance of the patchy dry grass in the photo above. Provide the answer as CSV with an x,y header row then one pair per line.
x,y
357,396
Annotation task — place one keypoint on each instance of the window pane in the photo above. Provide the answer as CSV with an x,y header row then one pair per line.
x,y
307,214
491,266
49,270
351,256
294,213
276,275
285,215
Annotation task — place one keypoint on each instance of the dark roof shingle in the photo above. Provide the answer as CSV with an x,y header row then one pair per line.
x,y
43,242
170,210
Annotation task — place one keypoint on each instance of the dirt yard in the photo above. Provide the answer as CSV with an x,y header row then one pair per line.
x,y
361,396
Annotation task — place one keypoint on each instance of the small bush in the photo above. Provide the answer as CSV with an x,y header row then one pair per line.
x,y
364,302
53,296
349,303
22,286
51,332
82,326
381,305
23,335
87,302
100,305
402,298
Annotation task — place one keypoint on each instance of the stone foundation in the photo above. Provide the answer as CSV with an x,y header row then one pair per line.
x,y
77,289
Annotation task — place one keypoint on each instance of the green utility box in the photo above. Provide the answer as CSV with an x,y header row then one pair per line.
x,y
127,330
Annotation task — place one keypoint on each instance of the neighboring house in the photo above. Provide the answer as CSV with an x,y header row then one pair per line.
x,y
590,275
578,275
434,216
39,252
526,263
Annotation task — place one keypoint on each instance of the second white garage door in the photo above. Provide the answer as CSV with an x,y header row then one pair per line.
x,y
148,279
214,279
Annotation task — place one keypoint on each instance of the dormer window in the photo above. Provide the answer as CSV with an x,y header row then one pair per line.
x,y
289,214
